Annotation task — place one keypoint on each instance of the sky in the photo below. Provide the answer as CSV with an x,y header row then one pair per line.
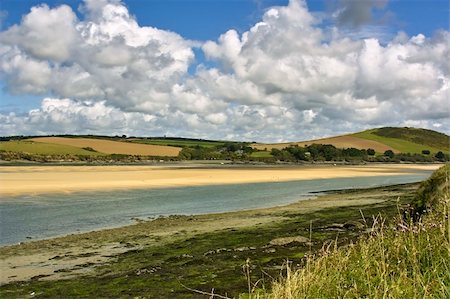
x,y
253,70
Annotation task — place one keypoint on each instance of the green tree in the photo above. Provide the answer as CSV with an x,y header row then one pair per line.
x,y
371,152
440,156
389,154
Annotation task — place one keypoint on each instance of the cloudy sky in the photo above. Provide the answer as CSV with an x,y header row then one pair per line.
x,y
256,70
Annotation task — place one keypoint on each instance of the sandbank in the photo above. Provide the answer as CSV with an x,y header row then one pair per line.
x,y
32,180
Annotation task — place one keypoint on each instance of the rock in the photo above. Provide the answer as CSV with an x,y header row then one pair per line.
x,y
241,249
354,225
289,240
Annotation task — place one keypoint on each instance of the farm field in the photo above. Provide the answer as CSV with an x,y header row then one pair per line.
x,y
113,147
338,141
44,148
178,142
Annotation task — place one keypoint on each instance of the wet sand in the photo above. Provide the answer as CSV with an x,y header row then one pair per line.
x,y
31,180
79,254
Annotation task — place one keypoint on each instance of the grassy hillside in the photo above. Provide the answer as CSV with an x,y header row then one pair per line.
x,y
408,140
419,136
42,148
405,260
179,142
399,140
113,147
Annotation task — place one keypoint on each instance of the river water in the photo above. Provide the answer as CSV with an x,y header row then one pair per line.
x,y
43,216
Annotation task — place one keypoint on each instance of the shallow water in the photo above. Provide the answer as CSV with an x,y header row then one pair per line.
x,y
43,216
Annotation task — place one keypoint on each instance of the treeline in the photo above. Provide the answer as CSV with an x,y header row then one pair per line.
x,y
328,152
106,159
226,151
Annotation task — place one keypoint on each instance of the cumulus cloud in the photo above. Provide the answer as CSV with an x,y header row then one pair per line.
x,y
286,78
355,13
106,57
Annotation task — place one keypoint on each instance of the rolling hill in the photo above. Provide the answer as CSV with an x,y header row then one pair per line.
x,y
43,148
399,140
112,147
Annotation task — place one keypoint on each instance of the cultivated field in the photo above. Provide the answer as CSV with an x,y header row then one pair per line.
x,y
339,142
43,148
178,142
113,147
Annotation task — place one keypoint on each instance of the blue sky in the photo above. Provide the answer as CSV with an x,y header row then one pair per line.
x,y
207,19
203,20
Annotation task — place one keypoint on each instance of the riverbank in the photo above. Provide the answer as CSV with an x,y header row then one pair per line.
x,y
201,252
31,180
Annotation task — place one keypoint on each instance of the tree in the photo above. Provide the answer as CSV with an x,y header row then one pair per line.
x,y
389,154
440,156
371,152
425,152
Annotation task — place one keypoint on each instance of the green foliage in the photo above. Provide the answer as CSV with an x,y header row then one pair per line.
x,y
440,156
371,152
318,152
389,154
431,190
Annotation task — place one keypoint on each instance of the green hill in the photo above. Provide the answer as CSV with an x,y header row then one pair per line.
x,y
408,140
40,148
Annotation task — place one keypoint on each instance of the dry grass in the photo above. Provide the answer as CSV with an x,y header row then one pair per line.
x,y
405,260
339,142
114,147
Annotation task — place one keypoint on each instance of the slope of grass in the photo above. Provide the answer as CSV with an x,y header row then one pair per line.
x,y
261,154
400,144
420,136
39,148
113,147
179,142
406,260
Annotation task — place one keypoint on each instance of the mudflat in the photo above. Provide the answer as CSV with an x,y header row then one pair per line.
x,y
29,180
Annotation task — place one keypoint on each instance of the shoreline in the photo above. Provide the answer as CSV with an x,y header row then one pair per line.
x,y
34,180
69,256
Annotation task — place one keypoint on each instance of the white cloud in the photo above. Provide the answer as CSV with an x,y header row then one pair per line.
x,y
286,78
45,33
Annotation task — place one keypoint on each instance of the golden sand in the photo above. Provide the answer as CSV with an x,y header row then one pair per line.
x,y
29,180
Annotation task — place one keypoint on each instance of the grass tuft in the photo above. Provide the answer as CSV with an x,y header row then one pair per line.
x,y
403,260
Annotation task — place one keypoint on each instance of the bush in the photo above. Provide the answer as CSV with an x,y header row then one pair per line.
x,y
371,152
389,154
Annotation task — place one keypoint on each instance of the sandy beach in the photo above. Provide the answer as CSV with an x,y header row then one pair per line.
x,y
30,180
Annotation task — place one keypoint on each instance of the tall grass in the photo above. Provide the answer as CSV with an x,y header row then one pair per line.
x,y
407,259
